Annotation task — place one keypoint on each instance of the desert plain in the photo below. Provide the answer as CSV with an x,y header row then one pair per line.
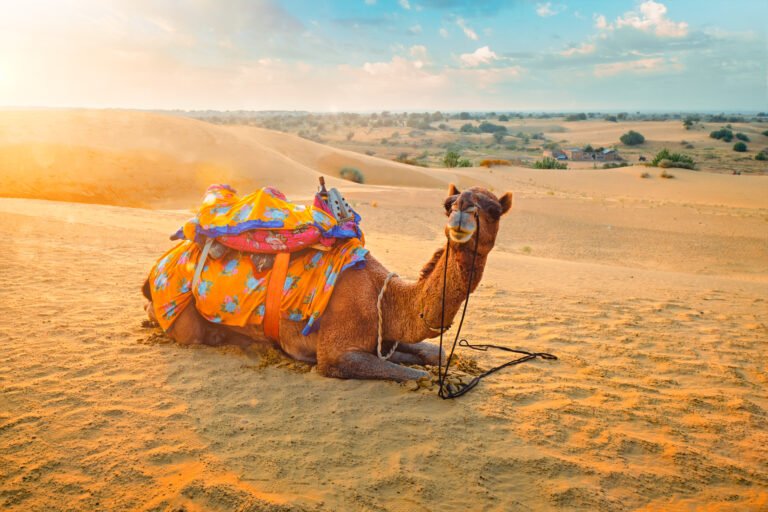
x,y
652,292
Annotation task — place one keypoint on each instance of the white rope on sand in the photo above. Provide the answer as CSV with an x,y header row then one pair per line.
x,y
381,319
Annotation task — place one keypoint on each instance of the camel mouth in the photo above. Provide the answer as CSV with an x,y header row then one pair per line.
x,y
460,236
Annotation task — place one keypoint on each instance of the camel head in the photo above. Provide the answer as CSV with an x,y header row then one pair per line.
x,y
465,210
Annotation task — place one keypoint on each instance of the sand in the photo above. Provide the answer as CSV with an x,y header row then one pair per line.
x,y
652,293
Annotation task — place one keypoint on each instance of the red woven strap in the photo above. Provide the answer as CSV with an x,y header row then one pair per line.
x,y
275,295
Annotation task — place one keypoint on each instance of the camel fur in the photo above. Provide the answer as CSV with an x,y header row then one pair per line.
x,y
345,345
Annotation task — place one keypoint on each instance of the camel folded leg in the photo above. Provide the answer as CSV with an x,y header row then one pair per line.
x,y
363,365
427,353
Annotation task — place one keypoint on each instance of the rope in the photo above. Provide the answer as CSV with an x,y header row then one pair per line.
x,y
381,319
451,391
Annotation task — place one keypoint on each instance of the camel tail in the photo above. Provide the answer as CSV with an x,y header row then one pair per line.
x,y
146,291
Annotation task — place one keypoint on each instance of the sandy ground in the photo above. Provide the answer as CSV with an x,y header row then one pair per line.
x,y
651,292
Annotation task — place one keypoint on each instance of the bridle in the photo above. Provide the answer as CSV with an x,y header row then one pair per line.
x,y
451,390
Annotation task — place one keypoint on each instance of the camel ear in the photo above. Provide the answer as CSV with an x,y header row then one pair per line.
x,y
506,202
452,190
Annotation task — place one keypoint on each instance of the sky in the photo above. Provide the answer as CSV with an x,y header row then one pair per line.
x,y
373,55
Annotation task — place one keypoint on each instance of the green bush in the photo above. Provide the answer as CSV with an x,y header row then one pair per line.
x,y
665,159
576,117
615,165
723,134
352,174
740,147
487,127
765,133
742,136
549,163
761,156
453,159
632,138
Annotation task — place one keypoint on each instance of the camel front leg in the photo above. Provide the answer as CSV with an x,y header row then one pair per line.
x,y
363,365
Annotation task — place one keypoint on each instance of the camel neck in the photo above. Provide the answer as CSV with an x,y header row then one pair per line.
x,y
422,301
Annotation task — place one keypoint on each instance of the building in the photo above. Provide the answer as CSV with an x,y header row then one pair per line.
x,y
579,155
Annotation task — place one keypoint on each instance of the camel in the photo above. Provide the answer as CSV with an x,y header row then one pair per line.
x,y
345,346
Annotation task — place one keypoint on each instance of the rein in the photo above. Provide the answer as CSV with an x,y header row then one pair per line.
x,y
453,391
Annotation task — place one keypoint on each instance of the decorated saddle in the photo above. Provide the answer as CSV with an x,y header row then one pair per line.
x,y
255,259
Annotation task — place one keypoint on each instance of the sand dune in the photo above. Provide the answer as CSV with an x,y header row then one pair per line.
x,y
651,292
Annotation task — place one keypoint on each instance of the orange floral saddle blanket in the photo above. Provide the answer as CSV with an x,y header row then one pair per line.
x,y
232,288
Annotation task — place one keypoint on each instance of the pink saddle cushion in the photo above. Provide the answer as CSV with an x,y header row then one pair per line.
x,y
270,241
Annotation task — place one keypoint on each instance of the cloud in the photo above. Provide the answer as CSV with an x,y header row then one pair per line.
x,y
420,54
480,56
444,33
651,18
584,49
405,4
370,2
415,30
544,10
640,66
467,31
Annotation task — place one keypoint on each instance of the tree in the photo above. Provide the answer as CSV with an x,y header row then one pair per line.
x,y
740,147
589,149
498,137
576,117
742,136
723,134
687,123
632,138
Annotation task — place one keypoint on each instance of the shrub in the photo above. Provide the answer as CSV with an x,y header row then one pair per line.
x,y
487,127
352,174
765,133
499,137
615,165
742,136
761,156
490,162
666,163
576,117
369,152
666,175
453,159
632,138
723,134
612,119
740,147
645,175
469,128
549,163
666,159
503,117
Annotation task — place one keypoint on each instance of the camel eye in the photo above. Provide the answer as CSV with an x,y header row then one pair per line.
x,y
494,211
